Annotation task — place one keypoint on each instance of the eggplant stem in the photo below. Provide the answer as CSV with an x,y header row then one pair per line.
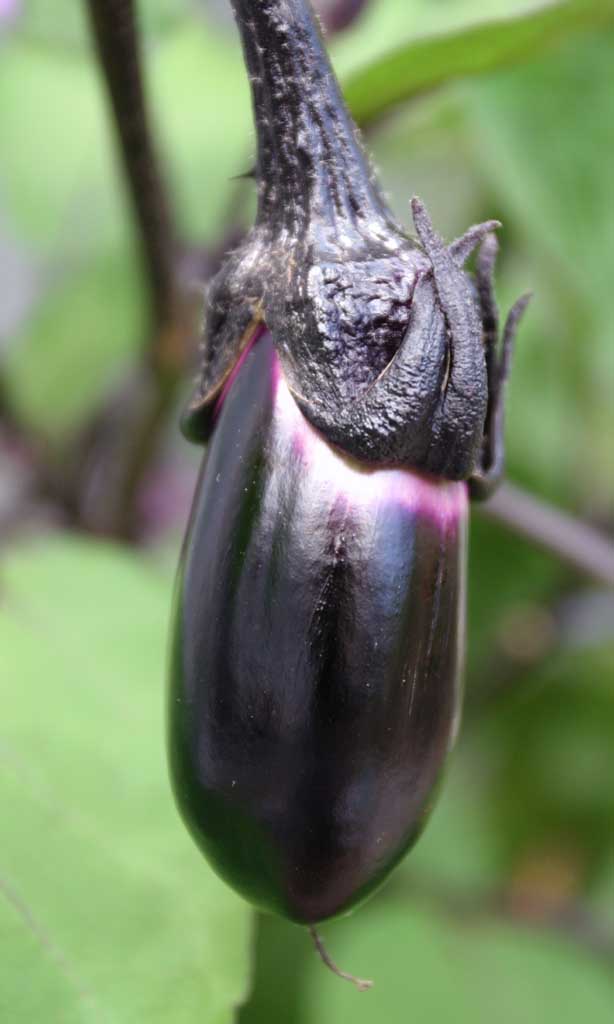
x,y
362,984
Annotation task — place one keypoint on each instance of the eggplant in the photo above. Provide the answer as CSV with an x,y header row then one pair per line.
x,y
317,646
351,393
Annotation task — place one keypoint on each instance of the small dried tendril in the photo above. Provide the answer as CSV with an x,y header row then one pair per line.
x,y
362,984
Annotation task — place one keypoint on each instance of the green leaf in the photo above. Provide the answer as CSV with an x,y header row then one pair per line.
x,y
543,137
64,24
423,64
63,187
387,23
76,341
107,911
549,745
429,966
431,959
58,175
200,95
526,577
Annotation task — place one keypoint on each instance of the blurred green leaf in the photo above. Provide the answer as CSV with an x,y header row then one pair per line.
x,y
63,187
64,23
62,182
76,341
200,95
548,741
602,894
457,845
108,913
423,64
385,24
543,139
506,573
58,175
429,967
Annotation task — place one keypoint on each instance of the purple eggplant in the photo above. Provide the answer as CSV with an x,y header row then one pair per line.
x,y
351,394
317,651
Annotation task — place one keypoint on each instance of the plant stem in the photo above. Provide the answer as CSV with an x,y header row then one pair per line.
x,y
584,548
106,499
115,34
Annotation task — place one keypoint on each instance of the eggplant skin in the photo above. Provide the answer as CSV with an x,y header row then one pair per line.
x,y
317,641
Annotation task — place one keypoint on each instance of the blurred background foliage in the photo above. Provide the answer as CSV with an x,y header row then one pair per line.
x,y
505,910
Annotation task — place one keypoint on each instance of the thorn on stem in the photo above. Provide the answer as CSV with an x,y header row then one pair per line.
x,y
362,984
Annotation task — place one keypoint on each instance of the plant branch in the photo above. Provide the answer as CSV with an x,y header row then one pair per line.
x,y
115,35
584,548
114,452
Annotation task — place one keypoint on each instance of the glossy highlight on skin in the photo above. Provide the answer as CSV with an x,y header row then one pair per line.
x,y
317,643
445,502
